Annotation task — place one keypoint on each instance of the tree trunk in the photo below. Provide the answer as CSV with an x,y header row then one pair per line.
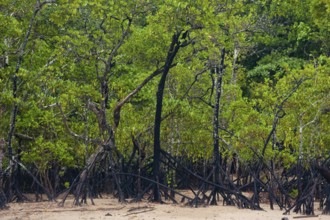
x,y
217,159
3,199
84,174
234,71
174,48
14,111
326,210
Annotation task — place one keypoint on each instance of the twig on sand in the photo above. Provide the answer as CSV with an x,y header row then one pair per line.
x,y
133,210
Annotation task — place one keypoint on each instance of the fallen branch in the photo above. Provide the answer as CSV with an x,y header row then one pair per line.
x,y
306,216
149,209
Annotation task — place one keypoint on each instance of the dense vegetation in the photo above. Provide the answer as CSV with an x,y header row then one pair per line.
x,y
134,97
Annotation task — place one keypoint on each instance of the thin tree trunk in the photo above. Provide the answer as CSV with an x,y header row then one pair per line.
x,y
84,174
271,189
14,79
234,71
217,159
3,199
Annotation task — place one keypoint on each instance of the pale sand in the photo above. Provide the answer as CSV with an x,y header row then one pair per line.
x,y
109,208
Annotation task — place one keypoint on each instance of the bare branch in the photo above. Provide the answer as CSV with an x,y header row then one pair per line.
x,y
279,113
116,113
116,48
65,121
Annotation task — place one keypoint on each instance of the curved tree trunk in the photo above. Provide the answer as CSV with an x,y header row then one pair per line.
x,y
174,48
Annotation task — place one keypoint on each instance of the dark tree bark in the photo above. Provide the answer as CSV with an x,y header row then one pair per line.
x,y
325,173
173,50
326,210
3,199
217,159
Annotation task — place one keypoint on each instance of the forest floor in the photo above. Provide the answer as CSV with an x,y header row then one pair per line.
x,y
109,208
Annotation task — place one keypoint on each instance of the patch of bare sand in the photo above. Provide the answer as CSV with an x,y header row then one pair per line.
x,y
109,208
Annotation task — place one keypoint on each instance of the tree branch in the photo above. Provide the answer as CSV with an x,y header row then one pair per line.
x,y
116,113
65,121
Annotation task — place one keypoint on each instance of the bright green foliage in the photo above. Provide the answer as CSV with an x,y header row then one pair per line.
x,y
270,45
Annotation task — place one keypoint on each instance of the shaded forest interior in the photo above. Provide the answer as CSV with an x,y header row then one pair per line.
x,y
198,102
293,189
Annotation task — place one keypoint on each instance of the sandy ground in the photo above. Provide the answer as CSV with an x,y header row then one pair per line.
x,y
109,208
